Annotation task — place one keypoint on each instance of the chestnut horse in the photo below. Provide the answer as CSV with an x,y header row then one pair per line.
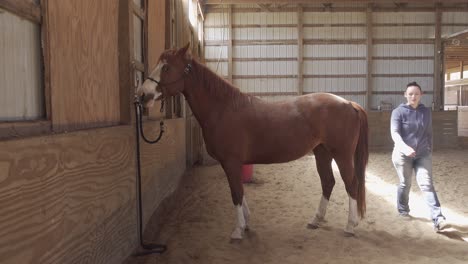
x,y
242,129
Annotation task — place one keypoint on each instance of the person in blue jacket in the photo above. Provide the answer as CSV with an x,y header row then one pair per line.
x,y
411,131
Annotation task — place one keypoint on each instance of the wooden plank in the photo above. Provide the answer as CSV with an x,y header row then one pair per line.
x,y
403,41
231,2
335,41
341,93
300,50
10,130
403,24
84,68
28,9
395,92
254,25
125,69
461,69
409,58
264,76
438,97
46,59
251,42
272,93
265,42
340,25
335,75
230,43
58,192
70,198
398,75
369,56
157,29
455,7
333,58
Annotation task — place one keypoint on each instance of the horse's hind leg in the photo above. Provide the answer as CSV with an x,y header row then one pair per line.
x,y
323,160
346,167
233,172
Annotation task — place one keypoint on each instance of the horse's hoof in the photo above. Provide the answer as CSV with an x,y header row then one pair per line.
x,y
247,228
312,226
349,234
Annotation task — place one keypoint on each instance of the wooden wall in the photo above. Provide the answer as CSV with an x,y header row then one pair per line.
x,y
83,63
70,197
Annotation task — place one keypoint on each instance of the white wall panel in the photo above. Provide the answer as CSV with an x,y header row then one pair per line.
x,y
335,67
264,33
217,34
220,68
335,50
394,50
335,32
265,18
403,17
399,84
21,82
266,85
455,17
403,66
265,68
265,51
334,17
313,85
404,32
217,19
216,52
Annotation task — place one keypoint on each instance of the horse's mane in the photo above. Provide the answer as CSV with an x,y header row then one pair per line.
x,y
220,88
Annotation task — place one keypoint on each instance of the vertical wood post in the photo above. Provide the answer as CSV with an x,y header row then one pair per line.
x,y
229,48
438,91
369,56
300,50
461,70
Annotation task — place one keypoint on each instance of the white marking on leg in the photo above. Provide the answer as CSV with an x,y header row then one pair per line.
x,y
320,214
353,218
246,211
239,230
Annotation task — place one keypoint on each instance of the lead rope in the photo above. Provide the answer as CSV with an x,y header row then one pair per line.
x,y
149,248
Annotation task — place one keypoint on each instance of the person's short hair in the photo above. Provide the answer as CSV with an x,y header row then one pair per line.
x,y
413,84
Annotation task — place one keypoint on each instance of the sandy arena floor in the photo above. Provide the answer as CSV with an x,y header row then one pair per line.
x,y
283,198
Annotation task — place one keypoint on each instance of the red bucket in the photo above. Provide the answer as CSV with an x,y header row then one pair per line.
x,y
247,171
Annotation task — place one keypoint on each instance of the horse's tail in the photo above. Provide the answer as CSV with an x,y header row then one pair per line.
x,y
361,156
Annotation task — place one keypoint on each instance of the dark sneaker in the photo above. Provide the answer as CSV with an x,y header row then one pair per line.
x,y
404,216
439,224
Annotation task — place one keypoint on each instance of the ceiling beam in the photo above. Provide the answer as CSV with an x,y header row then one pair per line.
x,y
233,2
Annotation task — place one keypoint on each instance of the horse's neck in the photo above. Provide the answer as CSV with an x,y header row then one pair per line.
x,y
206,93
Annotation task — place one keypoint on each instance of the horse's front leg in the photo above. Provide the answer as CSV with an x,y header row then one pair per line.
x,y
233,170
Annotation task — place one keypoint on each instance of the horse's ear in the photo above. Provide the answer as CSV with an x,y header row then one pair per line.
x,y
183,51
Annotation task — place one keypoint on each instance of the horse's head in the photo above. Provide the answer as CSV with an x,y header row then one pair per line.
x,y
167,78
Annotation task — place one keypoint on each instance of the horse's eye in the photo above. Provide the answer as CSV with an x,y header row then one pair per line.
x,y
165,68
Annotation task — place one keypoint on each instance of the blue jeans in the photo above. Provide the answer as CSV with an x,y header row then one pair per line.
x,y
422,167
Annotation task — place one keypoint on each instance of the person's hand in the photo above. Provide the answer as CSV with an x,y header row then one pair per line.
x,y
409,152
